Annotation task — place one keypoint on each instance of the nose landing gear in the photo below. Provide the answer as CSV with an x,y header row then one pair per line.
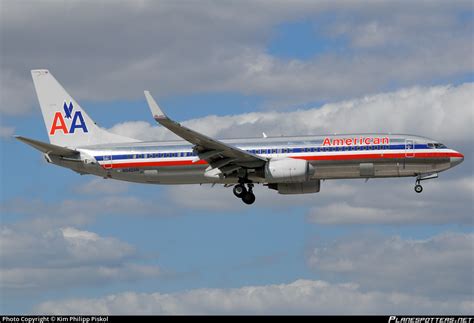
x,y
245,194
419,178
418,188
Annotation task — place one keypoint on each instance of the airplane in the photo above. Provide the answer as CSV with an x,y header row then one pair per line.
x,y
289,165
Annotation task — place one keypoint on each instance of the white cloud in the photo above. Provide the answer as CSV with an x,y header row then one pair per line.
x,y
376,202
46,259
100,186
439,266
349,202
142,130
17,94
29,280
6,132
220,198
344,213
78,212
211,47
299,297
429,111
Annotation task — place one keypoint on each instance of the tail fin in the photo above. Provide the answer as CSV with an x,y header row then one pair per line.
x,y
66,122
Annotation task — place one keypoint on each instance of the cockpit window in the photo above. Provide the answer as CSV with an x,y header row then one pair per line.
x,y
436,145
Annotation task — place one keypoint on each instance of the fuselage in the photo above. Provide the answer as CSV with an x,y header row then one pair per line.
x,y
331,156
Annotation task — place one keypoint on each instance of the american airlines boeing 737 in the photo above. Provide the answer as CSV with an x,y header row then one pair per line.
x,y
289,165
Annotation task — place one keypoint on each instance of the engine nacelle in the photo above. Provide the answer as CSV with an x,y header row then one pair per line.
x,y
297,188
288,170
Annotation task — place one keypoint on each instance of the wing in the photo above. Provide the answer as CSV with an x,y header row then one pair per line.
x,y
225,157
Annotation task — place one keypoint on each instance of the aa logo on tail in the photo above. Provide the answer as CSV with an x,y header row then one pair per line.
x,y
60,124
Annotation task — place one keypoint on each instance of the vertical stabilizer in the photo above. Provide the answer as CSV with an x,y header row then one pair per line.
x,y
67,124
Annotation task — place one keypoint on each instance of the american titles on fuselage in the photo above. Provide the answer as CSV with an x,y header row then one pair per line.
x,y
356,141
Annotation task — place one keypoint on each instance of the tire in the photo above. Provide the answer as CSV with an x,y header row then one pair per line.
x,y
239,190
248,198
418,188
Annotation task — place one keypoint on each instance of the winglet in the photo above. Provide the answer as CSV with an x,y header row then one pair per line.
x,y
154,108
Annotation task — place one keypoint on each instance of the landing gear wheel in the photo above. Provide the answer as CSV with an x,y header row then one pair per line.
x,y
239,190
418,188
248,198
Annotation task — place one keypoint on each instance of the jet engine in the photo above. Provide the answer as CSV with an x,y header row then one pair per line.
x,y
288,170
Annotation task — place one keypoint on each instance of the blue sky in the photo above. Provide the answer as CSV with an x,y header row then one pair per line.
x,y
74,243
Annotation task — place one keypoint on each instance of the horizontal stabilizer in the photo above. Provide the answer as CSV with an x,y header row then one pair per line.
x,y
48,148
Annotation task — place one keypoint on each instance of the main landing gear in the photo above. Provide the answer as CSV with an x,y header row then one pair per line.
x,y
419,178
243,193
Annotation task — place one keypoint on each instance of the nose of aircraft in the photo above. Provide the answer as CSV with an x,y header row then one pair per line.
x,y
457,159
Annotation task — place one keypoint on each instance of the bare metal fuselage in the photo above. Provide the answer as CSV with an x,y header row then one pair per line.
x,y
174,162
290,165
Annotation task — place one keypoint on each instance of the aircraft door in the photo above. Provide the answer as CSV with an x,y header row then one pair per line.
x,y
108,162
409,148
